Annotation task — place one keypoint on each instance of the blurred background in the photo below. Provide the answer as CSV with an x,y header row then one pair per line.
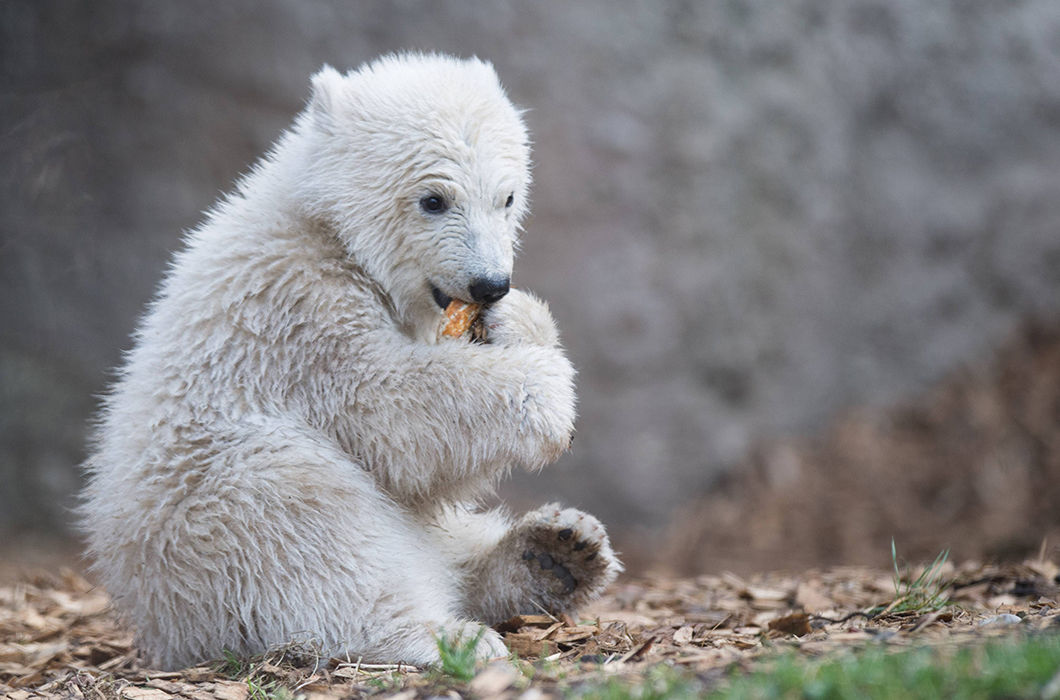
x,y
805,255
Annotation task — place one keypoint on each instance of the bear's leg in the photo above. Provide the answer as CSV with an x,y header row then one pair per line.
x,y
552,559
367,581
276,536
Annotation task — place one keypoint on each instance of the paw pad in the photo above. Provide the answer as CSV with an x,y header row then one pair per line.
x,y
567,552
547,563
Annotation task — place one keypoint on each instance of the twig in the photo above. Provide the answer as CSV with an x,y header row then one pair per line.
x,y
847,618
544,611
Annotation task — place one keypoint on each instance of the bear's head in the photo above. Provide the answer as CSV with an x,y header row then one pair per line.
x,y
420,163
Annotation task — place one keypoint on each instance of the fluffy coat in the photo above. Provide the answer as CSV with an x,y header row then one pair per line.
x,y
291,451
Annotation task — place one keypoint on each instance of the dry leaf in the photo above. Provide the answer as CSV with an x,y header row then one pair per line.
x,y
48,644
683,635
797,624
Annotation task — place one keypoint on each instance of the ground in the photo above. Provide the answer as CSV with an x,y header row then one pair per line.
x,y
58,637
975,462
972,463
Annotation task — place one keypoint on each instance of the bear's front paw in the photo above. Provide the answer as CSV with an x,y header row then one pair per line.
x,y
568,555
519,318
547,413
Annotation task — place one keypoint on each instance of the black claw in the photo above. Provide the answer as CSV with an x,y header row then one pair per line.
x,y
566,533
564,575
579,545
545,560
528,555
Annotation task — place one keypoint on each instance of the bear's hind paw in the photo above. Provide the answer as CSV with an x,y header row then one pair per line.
x,y
568,555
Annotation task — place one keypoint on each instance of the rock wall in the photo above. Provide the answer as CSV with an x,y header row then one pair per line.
x,y
748,215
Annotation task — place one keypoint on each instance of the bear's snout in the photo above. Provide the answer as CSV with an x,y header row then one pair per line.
x,y
486,290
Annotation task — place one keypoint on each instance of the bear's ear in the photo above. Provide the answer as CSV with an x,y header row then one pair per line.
x,y
327,83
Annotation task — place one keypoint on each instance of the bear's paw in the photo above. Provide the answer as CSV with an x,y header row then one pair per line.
x,y
520,318
568,554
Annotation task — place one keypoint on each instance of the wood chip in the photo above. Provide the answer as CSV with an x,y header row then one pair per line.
x,y
54,643
810,598
134,693
494,679
567,635
929,619
527,645
231,690
518,622
346,672
638,651
403,695
762,593
631,619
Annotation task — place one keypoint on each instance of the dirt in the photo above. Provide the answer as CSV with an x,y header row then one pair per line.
x,y
59,638
972,466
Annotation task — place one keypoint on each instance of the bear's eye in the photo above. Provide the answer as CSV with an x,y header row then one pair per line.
x,y
433,204
510,201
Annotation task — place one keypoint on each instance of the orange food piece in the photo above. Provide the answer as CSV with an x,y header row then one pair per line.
x,y
461,316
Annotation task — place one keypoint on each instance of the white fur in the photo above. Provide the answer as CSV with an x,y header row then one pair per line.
x,y
290,449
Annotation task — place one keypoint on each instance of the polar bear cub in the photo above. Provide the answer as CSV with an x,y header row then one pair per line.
x,y
292,450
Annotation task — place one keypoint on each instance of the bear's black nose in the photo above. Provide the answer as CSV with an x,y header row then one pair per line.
x,y
485,290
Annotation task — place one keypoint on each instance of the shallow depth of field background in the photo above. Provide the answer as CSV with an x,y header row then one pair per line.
x,y
770,234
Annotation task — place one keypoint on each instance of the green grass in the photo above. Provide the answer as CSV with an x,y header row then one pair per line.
x,y
232,666
263,689
458,655
260,685
925,593
1011,668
